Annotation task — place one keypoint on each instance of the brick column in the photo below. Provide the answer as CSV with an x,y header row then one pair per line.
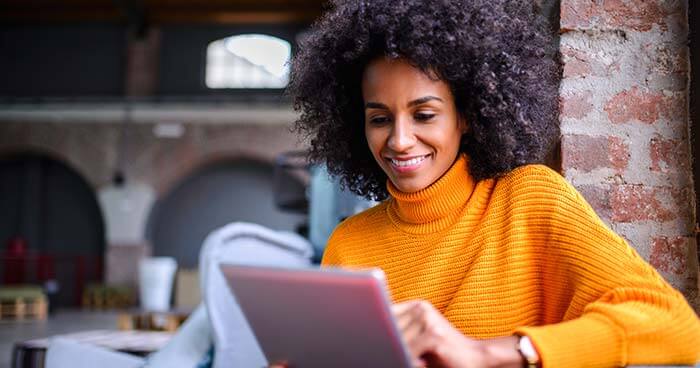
x,y
625,128
142,63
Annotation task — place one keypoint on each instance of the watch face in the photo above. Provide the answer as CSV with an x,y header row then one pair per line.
x,y
528,350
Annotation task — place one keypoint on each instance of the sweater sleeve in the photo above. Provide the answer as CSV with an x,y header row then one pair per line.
x,y
331,255
618,310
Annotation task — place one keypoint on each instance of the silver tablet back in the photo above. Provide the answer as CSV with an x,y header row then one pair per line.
x,y
315,318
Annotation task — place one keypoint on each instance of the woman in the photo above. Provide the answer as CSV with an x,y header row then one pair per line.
x,y
441,109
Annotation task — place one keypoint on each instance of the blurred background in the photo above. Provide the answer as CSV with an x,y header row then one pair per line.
x,y
131,129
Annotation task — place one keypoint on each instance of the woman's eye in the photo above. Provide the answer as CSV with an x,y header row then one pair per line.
x,y
423,116
378,120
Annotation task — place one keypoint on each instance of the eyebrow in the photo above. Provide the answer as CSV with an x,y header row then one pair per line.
x,y
419,101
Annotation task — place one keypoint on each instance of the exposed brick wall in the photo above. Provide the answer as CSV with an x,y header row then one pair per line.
x,y
625,127
92,149
142,63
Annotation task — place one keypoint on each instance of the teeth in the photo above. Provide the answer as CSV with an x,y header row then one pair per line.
x,y
411,162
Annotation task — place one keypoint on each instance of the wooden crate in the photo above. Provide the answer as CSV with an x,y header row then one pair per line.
x,y
98,296
152,321
19,303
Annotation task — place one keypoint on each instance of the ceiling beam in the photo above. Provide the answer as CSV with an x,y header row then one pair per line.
x,y
62,15
232,17
170,16
135,12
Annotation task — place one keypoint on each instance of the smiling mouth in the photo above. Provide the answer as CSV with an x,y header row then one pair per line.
x,y
408,163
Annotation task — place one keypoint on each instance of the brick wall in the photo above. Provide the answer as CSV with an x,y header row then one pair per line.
x,y
91,148
625,125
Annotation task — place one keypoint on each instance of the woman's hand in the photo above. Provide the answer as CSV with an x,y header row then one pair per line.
x,y
433,341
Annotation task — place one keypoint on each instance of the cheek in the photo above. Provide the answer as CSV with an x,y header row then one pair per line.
x,y
444,139
457,140
374,140
452,138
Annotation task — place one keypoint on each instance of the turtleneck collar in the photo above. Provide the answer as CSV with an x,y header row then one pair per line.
x,y
433,208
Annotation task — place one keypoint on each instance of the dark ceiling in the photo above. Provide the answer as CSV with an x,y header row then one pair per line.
x,y
161,11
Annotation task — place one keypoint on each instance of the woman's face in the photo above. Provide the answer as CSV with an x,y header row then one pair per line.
x,y
411,123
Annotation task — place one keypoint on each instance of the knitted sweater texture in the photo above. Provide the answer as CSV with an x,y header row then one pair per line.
x,y
522,254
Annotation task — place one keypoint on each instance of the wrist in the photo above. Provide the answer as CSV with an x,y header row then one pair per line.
x,y
502,352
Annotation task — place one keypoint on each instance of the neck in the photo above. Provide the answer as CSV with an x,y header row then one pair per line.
x,y
432,208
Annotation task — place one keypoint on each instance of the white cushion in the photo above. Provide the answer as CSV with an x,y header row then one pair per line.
x,y
188,346
64,353
249,244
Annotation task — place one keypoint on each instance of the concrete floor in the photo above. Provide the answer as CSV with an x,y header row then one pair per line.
x,y
61,322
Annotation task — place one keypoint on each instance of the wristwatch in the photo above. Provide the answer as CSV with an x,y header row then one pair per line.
x,y
528,352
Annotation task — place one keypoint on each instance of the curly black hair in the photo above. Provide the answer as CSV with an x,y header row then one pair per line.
x,y
498,57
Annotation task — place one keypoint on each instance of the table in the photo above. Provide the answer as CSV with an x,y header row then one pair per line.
x,y
138,319
31,353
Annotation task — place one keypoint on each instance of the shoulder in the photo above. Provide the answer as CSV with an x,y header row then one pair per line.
x,y
351,231
529,174
369,218
537,189
545,196
539,180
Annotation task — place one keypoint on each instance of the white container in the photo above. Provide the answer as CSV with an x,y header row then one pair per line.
x,y
156,276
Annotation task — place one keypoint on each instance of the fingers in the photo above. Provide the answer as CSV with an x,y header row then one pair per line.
x,y
401,308
409,313
413,319
414,324
405,316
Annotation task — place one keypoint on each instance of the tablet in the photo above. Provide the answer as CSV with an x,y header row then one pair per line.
x,y
319,318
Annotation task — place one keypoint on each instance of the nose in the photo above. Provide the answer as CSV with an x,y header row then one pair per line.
x,y
402,136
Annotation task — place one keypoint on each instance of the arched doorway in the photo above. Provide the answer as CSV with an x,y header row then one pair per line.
x,y
51,209
213,196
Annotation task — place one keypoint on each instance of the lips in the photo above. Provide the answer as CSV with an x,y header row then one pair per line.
x,y
408,163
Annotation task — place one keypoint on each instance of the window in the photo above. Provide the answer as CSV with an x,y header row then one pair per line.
x,y
248,61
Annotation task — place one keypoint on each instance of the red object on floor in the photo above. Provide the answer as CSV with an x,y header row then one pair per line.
x,y
70,272
14,264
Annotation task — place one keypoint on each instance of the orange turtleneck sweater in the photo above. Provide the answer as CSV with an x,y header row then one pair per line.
x,y
522,254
